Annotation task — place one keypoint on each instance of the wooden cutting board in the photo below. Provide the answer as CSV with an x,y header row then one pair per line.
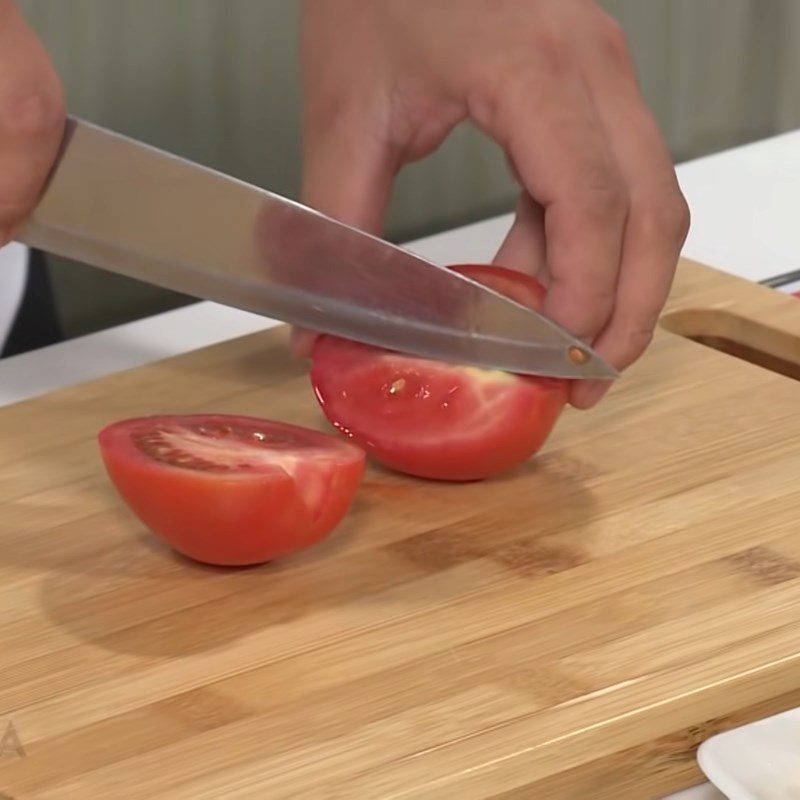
x,y
572,630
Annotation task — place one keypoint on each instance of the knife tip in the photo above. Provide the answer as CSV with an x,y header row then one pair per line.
x,y
583,357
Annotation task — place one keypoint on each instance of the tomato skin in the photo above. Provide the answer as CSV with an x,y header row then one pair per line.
x,y
436,420
232,518
513,284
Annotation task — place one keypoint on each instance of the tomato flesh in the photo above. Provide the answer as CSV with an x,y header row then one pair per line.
x,y
437,420
231,490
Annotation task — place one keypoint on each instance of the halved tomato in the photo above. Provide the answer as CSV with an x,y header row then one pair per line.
x,y
433,419
232,490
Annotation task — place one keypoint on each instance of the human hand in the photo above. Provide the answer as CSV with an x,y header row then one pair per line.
x,y
600,218
31,119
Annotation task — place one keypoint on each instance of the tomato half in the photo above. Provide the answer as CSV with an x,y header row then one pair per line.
x,y
433,419
232,490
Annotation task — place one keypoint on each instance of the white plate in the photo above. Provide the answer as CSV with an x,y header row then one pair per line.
x,y
759,761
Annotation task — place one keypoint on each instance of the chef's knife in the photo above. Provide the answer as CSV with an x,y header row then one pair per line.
x,y
129,208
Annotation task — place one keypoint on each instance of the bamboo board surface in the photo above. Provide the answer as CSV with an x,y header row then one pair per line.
x,y
571,630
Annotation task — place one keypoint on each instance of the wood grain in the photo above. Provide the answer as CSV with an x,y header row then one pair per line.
x,y
570,630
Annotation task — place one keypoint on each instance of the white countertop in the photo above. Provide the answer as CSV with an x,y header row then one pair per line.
x,y
744,220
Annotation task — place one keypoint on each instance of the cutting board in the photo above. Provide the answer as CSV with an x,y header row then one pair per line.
x,y
571,630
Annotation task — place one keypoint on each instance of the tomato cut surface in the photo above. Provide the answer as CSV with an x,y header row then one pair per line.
x,y
433,419
232,490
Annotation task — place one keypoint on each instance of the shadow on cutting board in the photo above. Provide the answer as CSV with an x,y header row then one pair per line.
x,y
122,590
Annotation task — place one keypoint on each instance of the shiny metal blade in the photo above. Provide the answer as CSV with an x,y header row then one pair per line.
x,y
129,208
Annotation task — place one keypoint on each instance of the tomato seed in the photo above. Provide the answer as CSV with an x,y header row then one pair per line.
x,y
397,386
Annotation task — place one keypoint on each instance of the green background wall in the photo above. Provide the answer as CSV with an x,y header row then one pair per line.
x,y
216,81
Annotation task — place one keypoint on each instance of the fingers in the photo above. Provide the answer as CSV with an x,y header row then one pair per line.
x,y
348,168
31,118
588,151
524,246
658,217
548,125
347,174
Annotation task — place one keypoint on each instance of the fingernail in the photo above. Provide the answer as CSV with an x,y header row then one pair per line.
x,y
587,394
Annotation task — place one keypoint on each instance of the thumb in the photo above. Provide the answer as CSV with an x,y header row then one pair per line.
x,y
348,175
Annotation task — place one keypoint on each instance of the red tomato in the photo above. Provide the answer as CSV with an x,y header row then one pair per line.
x,y
232,490
438,420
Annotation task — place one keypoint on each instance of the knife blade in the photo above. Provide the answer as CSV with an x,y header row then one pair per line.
x,y
129,208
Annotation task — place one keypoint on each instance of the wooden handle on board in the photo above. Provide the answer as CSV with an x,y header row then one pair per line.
x,y
745,319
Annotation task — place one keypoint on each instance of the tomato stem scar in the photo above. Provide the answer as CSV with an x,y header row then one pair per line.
x,y
397,386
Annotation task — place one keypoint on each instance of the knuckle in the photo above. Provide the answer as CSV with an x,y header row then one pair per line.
x,y
668,217
613,40
490,101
